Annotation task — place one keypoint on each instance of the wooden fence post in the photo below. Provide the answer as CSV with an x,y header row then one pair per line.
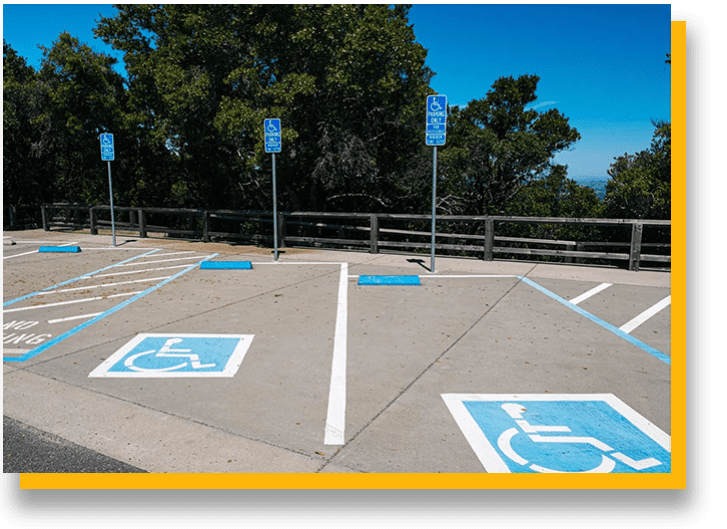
x,y
142,223
374,244
206,225
637,230
94,220
281,230
569,246
489,239
44,213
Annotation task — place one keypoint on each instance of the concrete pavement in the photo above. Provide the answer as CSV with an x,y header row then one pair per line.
x,y
337,376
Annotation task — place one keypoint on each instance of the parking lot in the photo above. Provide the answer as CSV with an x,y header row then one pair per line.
x,y
147,355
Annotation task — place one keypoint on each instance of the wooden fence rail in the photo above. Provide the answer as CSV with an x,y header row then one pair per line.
x,y
372,232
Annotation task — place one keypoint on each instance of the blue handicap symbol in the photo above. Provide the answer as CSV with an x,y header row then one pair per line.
x,y
567,436
159,355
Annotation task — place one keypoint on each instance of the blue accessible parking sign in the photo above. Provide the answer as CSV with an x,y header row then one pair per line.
x,y
436,132
177,355
559,433
107,147
273,138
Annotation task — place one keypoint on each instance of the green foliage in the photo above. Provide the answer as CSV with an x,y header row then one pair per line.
x,y
345,81
554,195
20,103
52,123
82,97
640,184
496,145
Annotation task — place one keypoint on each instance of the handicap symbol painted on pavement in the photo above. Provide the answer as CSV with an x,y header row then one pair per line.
x,y
559,434
177,355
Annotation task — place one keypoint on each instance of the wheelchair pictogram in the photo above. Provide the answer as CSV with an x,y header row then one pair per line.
x,y
607,464
167,352
177,355
436,106
272,127
566,433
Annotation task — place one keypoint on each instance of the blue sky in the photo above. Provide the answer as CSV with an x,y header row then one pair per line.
x,y
602,66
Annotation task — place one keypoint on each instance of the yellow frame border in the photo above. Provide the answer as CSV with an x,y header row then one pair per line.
x,y
675,480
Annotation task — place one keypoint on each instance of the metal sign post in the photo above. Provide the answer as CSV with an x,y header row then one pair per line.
x,y
436,134
275,213
108,155
434,205
273,144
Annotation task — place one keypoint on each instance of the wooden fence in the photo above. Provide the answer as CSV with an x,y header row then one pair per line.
x,y
21,217
377,232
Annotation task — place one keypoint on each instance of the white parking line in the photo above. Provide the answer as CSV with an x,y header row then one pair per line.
x,y
81,317
162,260
32,241
36,251
336,417
593,291
464,276
297,263
118,248
473,276
648,313
138,271
71,302
20,254
100,286
173,253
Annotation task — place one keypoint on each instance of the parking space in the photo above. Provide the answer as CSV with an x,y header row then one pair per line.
x,y
279,394
301,359
506,338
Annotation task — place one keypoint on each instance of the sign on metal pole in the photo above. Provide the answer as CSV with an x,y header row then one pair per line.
x,y
436,120
273,144
108,155
107,147
436,135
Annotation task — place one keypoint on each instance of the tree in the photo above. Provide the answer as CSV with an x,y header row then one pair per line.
x,y
496,145
79,96
640,184
554,195
21,182
346,81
